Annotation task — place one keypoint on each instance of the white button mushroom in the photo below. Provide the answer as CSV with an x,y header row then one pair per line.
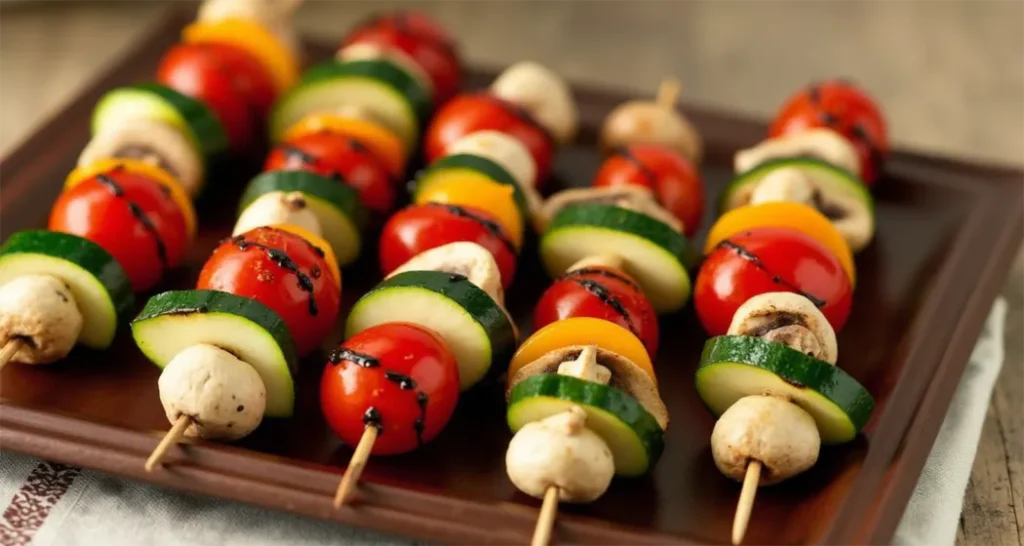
x,y
772,430
653,122
152,141
223,396
787,184
41,313
585,367
276,208
470,260
560,451
506,151
543,94
787,318
822,143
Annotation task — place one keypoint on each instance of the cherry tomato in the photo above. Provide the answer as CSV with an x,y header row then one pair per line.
x,y
327,153
399,377
845,108
769,259
669,175
282,271
604,293
467,114
423,227
200,71
131,216
439,62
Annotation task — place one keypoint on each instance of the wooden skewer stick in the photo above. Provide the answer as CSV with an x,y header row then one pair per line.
x,y
8,351
746,502
668,92
172,437
546,519
355,466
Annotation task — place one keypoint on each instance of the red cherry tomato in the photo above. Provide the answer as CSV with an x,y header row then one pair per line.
x,y
769,260
604,293
415,24
844,107
422,227
467,114
669,175
438,61
132,217
282,271
398,377
200,71
327,154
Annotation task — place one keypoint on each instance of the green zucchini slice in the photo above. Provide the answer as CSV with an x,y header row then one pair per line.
x,y
831,179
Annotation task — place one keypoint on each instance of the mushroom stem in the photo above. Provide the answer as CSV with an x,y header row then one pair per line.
x,y
746,502
546,519
668,93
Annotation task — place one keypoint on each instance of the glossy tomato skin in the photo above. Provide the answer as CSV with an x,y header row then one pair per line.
x,y
604,293
261,264
399,377
439,62
132,217
844,107
417,228
329,154
198,71
413,23
671,177
470,113
769,260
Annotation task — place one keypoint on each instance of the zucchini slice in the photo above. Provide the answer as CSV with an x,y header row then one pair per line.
x,y
387,92
461,164
97,281
336,205
632,434
831,179
476,328
732,367
656,255
159,103
172,321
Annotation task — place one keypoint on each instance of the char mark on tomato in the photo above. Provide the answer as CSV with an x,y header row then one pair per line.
x,y
742,252
522,114
602,293
348,355
645,171
371,418
139,214
584,271
491,226
284,261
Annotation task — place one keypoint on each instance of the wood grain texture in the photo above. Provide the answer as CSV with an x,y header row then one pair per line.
x,y
950,75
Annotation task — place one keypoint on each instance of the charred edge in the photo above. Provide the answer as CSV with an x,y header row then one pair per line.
x,y
404,382
457,277
371,418
421,422
779,319
645,171
147,224
315,272
753,259
602,293
521,113
490,226
603,272
341,354
830,211
284,261
111,185
200,310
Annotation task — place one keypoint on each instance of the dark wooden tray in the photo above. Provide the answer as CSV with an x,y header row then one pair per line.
x,y
947,232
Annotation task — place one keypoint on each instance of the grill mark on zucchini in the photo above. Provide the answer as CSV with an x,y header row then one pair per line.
x,y
284,261
339,355
139,214
490,226
753,259
602,293
645,171
603,272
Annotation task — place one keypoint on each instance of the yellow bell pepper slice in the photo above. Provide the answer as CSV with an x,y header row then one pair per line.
x,y
381,142
472,189
785,214
249,36
582,331
142,168
318,242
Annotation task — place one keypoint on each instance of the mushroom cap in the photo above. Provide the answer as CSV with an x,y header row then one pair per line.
x,y
40,311
790,319
647,122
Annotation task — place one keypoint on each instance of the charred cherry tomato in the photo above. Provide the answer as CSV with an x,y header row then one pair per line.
x,y
845,108
131,216
440,63
282,271
769,259
669,175
467,114
398,377
199,71
422,227
604,293
328,153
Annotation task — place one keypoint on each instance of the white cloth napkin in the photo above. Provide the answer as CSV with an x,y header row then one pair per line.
x,y
55,505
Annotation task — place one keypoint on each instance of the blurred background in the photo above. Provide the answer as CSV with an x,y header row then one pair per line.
x,y
949,76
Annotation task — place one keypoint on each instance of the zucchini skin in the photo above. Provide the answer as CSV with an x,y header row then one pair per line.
x,y
856,188
342,196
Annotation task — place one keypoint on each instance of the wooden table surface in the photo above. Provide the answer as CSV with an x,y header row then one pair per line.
x,y
949,74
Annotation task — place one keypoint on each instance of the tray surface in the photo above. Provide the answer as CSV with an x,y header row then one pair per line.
x,y
946,235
